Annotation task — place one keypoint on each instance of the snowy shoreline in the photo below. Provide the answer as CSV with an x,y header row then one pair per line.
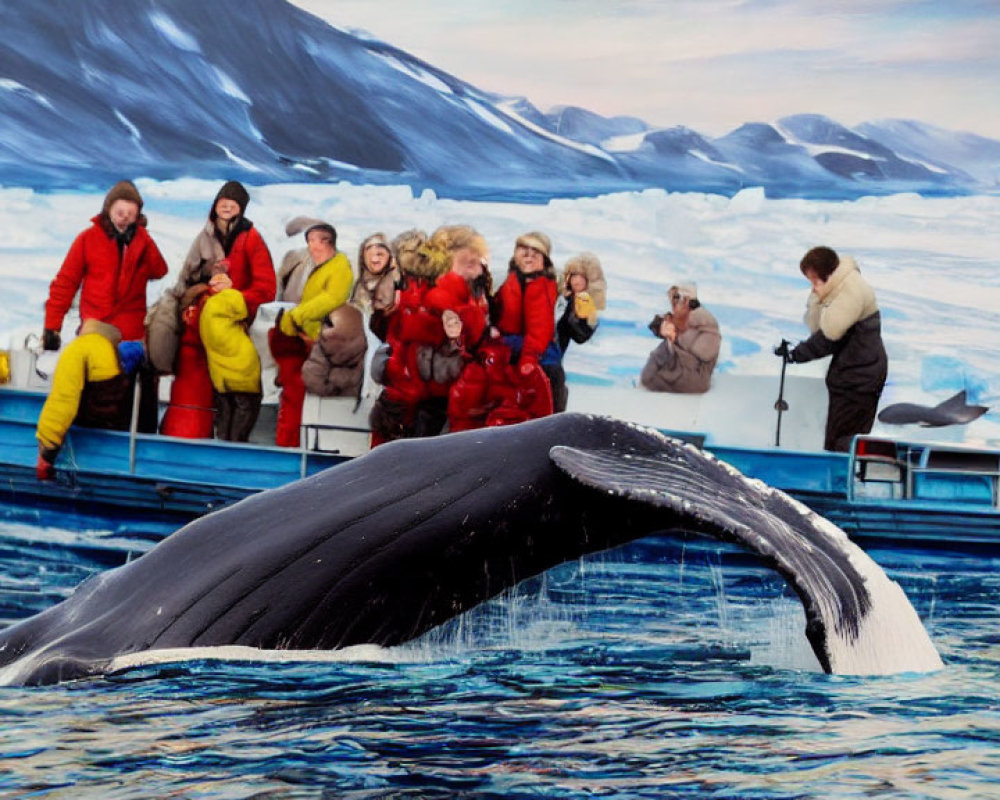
x,y
932,261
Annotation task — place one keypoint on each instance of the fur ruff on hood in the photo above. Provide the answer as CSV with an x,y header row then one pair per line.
x,y
109,332
588,265
375,291
123,190
414,258
297,225
842,301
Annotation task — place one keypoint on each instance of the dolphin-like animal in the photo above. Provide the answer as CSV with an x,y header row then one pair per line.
x,y
389,545
953,411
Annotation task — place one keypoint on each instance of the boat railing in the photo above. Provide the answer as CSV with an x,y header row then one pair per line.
x,y
875,469
133,426
311,440
887,469
968,476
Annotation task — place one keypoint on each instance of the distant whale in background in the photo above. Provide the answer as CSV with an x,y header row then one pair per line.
x,y
389,545
953,411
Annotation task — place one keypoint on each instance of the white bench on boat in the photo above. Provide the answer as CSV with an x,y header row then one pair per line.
x,y
335,424
738,410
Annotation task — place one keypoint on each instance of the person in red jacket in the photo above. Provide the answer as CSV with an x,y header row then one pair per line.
x,y
110,264
525,309
429,325
229,247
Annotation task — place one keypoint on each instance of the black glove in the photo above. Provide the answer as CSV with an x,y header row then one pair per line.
x,y
51,340
783,351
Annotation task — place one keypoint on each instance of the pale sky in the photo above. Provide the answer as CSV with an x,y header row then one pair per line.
x,y
710,64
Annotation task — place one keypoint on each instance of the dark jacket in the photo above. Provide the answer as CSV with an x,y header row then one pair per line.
x,y
859,362
570,326
846,324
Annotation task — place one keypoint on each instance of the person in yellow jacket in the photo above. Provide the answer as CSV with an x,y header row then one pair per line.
x,y
327,288
92,387
233,363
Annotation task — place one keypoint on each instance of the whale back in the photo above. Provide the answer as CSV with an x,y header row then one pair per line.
x,y
387,546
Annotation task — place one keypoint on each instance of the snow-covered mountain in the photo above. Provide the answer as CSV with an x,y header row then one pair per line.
x,y
91,90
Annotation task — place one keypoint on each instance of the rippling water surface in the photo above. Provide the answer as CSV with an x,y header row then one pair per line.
x,y
658,670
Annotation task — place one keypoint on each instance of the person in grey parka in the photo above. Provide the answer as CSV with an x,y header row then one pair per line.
x,y
844,320
684,361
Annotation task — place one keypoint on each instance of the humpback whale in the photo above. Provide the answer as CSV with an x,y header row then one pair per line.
x,y
389,545
953,411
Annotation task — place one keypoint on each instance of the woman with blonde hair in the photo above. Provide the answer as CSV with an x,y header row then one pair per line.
x,y
434,322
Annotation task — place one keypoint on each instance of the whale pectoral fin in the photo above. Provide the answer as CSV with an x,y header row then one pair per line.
x,y
699,493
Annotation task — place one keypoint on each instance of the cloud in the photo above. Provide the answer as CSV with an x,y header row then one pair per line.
x,y
709,63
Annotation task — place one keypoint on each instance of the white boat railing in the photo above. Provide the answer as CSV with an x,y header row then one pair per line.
x,y
133,427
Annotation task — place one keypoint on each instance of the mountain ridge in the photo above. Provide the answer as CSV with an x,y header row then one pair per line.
x,y
263,91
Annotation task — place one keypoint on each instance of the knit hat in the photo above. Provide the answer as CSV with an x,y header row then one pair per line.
x,y
539,241
235,191
130,356
123,190
689,290
327,228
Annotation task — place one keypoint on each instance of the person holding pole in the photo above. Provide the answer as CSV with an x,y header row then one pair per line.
x,y
844,320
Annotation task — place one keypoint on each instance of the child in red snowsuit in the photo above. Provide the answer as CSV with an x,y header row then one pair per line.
x,y
509,382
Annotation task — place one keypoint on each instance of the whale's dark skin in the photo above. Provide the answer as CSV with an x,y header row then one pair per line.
x,y
953,411
390,545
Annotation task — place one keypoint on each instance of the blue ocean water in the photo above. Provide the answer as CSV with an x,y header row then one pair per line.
x,y
667,668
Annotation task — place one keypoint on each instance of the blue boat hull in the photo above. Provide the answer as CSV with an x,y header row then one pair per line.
x,y
146,473
185,478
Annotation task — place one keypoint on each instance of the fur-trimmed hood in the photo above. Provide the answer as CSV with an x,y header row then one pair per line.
x,y
375,291
414,257
108,331
588,265
842,301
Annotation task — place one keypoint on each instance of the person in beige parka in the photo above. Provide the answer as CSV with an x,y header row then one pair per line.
x,y
844,319
684,361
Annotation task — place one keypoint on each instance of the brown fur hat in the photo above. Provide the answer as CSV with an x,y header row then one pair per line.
x,y
123,190
588,265
540,242
412,256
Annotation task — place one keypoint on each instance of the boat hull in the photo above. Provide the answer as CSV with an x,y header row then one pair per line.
x,y
182,479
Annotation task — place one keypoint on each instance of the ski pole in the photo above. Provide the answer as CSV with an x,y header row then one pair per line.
x,y
780,405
